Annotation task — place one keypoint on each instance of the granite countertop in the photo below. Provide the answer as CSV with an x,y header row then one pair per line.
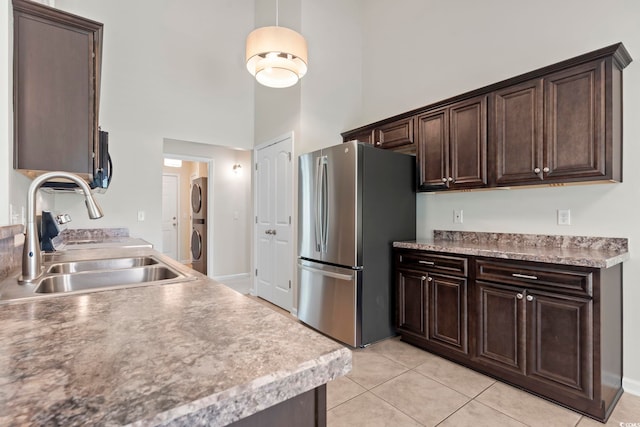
x,y
598,252
190,353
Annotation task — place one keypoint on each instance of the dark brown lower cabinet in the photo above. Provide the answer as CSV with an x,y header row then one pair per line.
x,y
554,330
546,338
412,302
306,410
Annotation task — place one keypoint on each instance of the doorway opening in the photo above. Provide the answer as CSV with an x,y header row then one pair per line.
x,y
186,200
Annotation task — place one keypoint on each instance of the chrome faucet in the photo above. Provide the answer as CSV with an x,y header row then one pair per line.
x,y
31,258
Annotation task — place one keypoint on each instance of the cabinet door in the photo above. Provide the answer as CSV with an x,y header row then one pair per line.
x,y
575,122
395,134
468,143
560,342
365,136
433,150
517,134
448,311
412,302
56,88
500,327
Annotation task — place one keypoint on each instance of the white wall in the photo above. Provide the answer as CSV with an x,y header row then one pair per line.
x,y
331,99
173,71
5,108
441,49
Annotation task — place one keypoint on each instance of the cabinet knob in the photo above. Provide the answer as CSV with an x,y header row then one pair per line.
x,y
423,278
378,143
536,170
450,179
519,296
444,179
430,279
545,169
529,298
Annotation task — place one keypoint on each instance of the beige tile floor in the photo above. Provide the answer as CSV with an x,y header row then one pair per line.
x,y
394,384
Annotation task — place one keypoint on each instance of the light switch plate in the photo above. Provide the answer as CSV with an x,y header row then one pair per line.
x,y
140,215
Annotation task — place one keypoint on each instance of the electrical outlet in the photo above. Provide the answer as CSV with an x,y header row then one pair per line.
x,y
457,216
140,215
564,217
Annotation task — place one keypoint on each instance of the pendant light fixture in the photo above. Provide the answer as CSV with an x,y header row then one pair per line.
x,y
276,56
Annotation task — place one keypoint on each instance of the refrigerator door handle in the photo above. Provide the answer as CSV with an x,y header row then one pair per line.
x,y
318,205
325,204
348,277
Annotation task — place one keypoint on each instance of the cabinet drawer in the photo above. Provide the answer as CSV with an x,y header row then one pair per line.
x,y
394,134
433,262
566,279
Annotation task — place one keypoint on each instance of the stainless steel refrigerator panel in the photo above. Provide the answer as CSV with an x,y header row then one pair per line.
x,y
328,201
341,224
308,235
329,300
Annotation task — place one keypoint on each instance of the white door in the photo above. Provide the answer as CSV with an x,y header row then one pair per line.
x,y
170,186
274,236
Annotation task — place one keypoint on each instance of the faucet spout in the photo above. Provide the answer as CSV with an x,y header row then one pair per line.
x,y
31,257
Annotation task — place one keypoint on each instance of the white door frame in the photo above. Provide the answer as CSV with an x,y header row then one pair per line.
x,y
210,201
294,234
178,219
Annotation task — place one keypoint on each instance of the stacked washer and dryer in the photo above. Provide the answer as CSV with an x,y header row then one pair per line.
x,y
199,224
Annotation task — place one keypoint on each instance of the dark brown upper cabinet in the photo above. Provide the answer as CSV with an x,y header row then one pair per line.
x,y
452,144
555,125
396,135
517,134
56,84
553,129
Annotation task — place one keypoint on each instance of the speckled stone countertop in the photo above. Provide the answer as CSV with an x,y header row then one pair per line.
x,y
598,252
183,354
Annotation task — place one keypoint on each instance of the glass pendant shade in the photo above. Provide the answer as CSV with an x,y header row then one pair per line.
x,y
276,56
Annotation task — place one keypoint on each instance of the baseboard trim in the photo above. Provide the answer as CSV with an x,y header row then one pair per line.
x,y
239,276
631,386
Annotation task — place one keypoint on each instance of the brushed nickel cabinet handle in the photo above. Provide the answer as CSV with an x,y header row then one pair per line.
x,y
426,262
524,276
536,170
545,169
519,296
529,298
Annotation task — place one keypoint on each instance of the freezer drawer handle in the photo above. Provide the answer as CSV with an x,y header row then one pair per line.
x,y
328,273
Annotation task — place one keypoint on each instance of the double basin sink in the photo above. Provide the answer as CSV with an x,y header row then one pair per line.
x,y
101,273
89,275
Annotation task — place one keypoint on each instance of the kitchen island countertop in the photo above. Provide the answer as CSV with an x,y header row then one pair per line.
x,y
189,353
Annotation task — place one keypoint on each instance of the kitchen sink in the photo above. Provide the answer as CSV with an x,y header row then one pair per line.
x,y
104,279
64,276
100,264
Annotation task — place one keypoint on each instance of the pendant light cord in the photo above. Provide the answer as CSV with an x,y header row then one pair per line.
x,y
277,4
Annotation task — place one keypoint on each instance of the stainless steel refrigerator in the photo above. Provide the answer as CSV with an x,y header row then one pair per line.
x,y
354,200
